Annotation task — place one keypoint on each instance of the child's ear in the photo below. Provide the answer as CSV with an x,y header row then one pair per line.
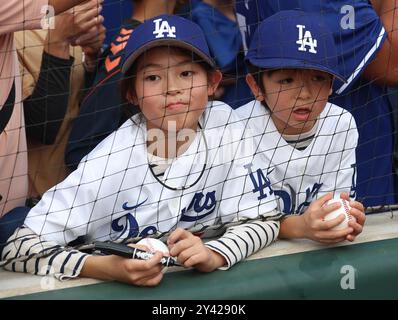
x,y
214,81
132,98
331,85
251,82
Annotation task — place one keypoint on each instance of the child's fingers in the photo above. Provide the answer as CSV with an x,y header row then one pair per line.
x,y
139,246
138,272
196,258
332,235
155,260
185,255
177,235
176,249
329,224
150,280
322,200
358,211
154,281
328,208
358,205
345,196
332,241
324,209
318,222
357,228
146,265
143,270
191,255
186,248
358,215
350,237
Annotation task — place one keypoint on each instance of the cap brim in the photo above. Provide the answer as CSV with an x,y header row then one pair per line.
x,y
283,63
166,42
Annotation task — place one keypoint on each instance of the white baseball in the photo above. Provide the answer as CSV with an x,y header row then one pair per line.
x,y
154,245
344,209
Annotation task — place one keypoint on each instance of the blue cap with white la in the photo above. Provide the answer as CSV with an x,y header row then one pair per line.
x,y
167,30
294,39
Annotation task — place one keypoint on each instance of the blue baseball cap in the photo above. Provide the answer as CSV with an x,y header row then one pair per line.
x,y
294,39
167,30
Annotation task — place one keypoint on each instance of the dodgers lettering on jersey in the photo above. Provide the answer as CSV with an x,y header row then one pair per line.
x,y
203,209
260,182
288,198
299,177
113,194
128,224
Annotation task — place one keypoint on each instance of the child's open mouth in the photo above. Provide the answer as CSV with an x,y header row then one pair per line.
x,y
301,114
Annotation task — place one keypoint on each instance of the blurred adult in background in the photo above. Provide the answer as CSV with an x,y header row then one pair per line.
x,y
53,73
219,23
18,15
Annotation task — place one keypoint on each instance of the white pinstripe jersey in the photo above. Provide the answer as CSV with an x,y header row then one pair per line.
x,y
113,194
298,177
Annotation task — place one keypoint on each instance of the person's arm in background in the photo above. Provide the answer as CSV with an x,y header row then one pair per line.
x,y
384,68
63,5
92,46
45,108
17,15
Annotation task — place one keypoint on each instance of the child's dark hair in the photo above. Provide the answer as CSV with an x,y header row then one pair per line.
x,y
257,74
129,78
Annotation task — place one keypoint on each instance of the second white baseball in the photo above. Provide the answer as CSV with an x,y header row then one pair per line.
x,y
344,209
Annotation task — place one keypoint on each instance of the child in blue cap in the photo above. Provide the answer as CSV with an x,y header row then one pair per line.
x,y
308,144
181,163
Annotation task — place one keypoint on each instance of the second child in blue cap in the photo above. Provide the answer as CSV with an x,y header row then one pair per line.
x,y
308,144
181,163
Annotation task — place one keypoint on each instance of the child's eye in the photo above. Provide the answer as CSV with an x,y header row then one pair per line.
x,y
319,78
187,73
152,77
285,81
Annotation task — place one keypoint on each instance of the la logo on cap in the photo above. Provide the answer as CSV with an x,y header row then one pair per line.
x,y
306,40
162,27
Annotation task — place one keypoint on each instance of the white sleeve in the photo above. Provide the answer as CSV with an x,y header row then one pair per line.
x,y
243,240
64,211
86,200
23,247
